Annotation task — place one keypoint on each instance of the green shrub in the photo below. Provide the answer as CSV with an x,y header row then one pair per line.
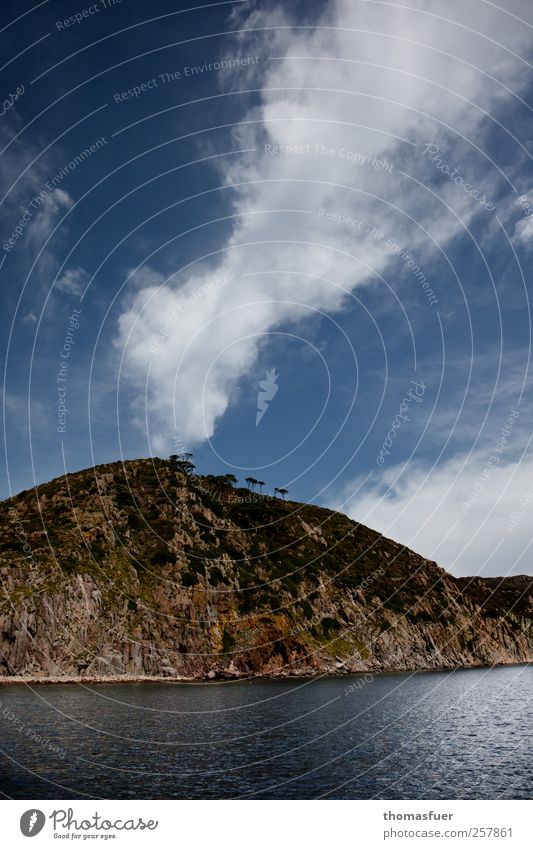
x,y
290,585
306,608
216,576
328,625
188,579
123,498
394,603
161,556
228,642
70,565
135,521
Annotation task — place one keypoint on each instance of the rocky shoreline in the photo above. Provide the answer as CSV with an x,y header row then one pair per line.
x,y
226,676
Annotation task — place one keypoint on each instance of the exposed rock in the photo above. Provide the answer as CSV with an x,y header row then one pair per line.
x,y
135,570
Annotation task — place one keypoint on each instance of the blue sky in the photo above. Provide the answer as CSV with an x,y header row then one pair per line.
x,y
337,191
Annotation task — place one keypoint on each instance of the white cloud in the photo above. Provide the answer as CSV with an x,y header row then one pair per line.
x,y
73,281
22,411
523,231
43,223
23,177
280,259
457,513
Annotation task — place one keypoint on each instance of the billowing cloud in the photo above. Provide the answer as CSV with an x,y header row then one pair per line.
x,y
347,110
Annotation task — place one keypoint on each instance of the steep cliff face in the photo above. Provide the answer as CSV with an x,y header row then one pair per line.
x,y
137,569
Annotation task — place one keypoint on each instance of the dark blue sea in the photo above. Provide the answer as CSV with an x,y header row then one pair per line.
x,y
440,735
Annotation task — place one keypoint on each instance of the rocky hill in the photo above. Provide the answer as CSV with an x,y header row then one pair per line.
x,y
136,569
